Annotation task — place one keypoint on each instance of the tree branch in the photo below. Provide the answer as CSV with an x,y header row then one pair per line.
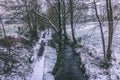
x,y
52,5
46,19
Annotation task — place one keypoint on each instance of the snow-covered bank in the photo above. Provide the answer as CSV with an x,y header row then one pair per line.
x,y
92,59
38,64
14,60
50,60
91,54
42,66
38,69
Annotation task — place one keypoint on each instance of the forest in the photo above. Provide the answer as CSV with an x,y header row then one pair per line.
x,y
59,40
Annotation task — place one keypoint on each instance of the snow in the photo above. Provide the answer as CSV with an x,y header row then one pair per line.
x,y
50,60
38,70
38,64
37,46
91,54
20,67
44,64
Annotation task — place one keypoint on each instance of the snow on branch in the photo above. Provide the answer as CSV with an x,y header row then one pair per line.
x,y
46,19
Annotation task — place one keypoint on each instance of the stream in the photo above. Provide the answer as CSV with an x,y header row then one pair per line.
x,y
71,66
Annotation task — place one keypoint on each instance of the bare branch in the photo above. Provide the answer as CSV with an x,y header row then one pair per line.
x,y
52,5
47,20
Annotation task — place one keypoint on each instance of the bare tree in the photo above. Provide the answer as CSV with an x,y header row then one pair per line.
x,y
107,55
110,27
72,27
58,63
64,18
101,29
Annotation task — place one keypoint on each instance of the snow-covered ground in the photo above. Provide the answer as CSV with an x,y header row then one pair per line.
x,y
38,70
42,66
50,60
14,65
31,66
38,64
11,29
92,55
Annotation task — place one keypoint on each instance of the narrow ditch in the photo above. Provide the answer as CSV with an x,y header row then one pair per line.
x,y
70,69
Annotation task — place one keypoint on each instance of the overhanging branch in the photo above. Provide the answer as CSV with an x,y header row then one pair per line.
x,y
47,20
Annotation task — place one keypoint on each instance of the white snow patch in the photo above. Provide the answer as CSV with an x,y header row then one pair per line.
x,y
50,60
38,69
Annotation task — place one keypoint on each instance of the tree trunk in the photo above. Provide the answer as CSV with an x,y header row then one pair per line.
x,y
58,63
101,29
4,32
72,27
64,20
110,26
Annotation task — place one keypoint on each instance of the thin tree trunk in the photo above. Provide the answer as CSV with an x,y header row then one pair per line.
x,y
58,63
101,29
110,26
4,32
64,20
72,27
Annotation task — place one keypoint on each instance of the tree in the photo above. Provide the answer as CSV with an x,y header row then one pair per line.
x,y
58,63
31,18
110,27
72,27
107,54
3,28
101,29
64,18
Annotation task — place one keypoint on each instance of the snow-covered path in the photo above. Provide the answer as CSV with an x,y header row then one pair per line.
x,y
38,69
43,65
38,64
